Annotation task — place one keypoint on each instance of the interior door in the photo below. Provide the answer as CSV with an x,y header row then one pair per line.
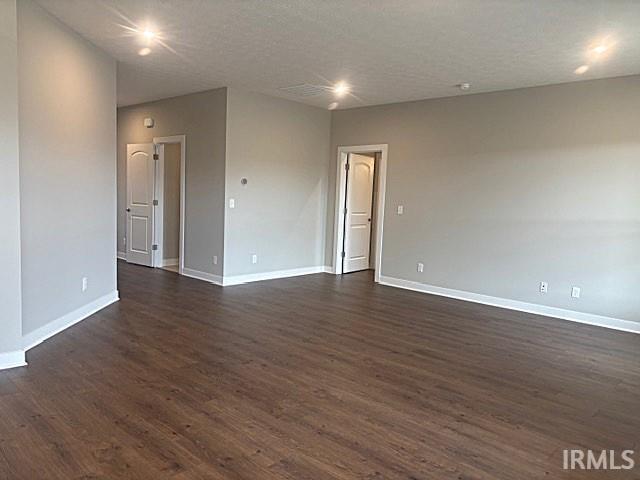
x,y
359,199
140,194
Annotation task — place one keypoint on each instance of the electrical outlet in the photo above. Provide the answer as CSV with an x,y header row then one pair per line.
x,y
575,292
544,287
85,284
215,259
420,267
254,258
400,209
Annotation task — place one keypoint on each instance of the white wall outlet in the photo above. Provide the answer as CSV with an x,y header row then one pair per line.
x,y
232,203
420,267
215,259
400,209
85,284
254,258
575,292
544,287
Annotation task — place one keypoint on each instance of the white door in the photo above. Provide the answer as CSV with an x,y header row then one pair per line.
x,y
140,192
359,199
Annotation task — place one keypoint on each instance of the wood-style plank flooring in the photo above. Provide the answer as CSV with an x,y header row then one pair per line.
x,y
313,378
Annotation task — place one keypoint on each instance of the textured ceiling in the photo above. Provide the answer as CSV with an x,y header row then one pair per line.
x,y
388,50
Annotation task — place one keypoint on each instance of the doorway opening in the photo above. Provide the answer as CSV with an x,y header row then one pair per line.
x,y
359,213
156,203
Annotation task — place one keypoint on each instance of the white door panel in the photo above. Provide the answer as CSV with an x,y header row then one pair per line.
x,y
139,234
359,198
140,189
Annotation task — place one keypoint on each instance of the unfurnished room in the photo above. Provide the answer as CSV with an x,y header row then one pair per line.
x,y
320,240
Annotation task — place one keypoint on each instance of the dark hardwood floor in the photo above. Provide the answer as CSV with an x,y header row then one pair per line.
x,y
316,377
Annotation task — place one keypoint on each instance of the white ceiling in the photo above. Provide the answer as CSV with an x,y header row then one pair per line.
x,y
388,50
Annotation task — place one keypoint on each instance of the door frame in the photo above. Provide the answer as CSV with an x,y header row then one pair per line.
x,y
341,184
159,143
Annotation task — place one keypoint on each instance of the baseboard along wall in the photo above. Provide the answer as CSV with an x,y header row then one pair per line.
x,y
544,310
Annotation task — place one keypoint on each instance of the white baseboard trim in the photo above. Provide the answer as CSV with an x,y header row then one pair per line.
x,y
41,334
573,316
12,359
257,277
169,262
207,277
121,255
253,277
328,269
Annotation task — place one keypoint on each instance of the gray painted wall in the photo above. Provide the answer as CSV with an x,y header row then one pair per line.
x,y
10,304
67,114
282,148
171,207
202,118
503,190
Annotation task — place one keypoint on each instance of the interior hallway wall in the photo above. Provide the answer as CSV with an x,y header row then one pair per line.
x,y
202,118
171,208
67,115
10,290
282,148
504,190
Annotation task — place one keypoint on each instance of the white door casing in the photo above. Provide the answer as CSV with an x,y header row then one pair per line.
x,y
359,200
160,142
382,152
140,196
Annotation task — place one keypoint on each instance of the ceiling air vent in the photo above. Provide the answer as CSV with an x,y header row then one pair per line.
x,y
304,90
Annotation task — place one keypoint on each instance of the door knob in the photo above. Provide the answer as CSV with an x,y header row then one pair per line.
x,y
128,209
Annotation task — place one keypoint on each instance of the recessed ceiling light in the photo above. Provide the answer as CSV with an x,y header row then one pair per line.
x,y
464,86
333,106
600,49
581,69
143,52
341,89
148,34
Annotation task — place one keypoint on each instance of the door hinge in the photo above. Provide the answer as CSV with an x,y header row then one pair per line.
x,y
156,156
155,203
154,247
345,210
346,166
342,254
